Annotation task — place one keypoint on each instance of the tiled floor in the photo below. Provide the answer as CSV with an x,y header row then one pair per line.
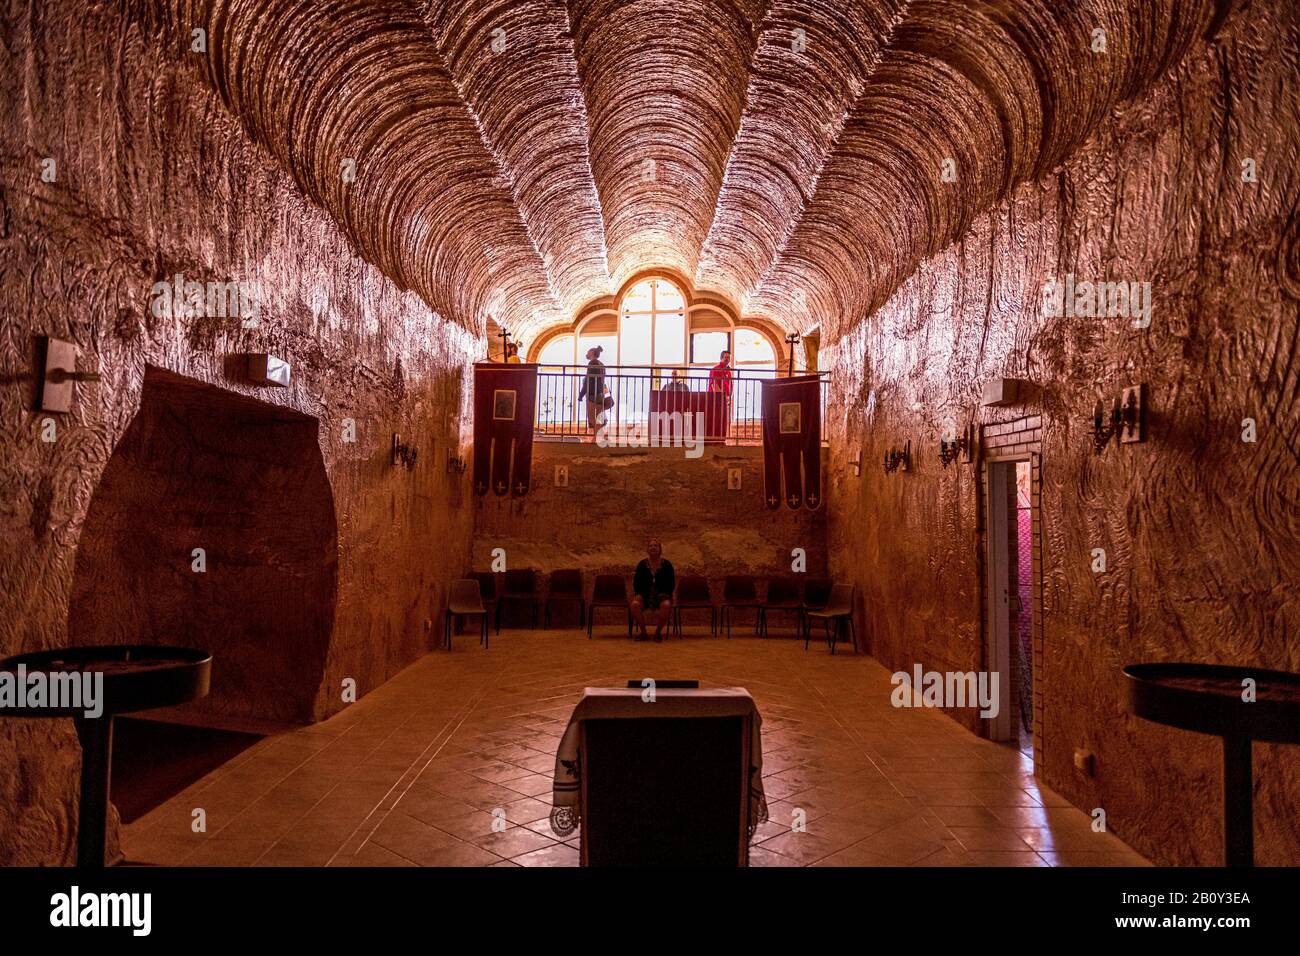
x,y
411,774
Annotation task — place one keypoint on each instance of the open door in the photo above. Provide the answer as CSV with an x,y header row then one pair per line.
x,y
1011,599
1001,485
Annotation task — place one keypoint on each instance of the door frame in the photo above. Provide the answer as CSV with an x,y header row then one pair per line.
x,y
1005,444
997,565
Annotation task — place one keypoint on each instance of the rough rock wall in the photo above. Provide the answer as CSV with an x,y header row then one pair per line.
x,y
1201,529
615,498
206,478
151,179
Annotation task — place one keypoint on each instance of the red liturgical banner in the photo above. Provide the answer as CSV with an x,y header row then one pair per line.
x,y
792,442
505,405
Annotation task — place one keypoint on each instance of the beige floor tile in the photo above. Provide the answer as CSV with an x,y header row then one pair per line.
x,y
557,854
512,842
371,854
410,774
990,838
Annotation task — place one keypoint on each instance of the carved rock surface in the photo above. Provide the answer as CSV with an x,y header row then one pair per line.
x,y
798,157
214,525
153,178
902,175
1201,529
615,499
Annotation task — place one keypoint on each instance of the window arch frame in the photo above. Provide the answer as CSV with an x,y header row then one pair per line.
x,y
605,312
654,313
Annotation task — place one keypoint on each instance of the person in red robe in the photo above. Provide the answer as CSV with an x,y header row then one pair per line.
x,y
720,377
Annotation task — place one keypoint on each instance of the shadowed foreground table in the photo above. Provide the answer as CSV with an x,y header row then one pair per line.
x,y
1212,699
135,677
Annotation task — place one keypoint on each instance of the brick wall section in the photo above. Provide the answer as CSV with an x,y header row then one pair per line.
x,y
1009,439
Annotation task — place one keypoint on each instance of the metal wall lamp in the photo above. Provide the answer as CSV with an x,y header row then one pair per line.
x,y
1122,421
899,459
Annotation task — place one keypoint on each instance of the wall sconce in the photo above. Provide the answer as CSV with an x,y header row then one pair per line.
x,y
455,464
1000,392
963,447
59,374
266,369
1123,421
403,454
899,459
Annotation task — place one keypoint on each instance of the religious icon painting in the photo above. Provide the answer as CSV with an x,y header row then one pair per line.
x,y
790,418
503,405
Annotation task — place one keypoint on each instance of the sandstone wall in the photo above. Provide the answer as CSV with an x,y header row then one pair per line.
x,y
1201,529
152,178
616,497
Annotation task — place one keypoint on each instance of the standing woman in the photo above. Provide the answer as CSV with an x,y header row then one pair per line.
x,y
593,386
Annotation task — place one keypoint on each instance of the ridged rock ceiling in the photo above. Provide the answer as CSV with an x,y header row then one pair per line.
x,y
519,158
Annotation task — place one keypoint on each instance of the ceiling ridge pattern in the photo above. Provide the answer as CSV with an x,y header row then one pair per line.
x,y
1003,89
354,101
796,158
810,67
512,63
665,88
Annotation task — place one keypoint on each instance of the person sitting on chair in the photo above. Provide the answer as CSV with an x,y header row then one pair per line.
x,y
653,585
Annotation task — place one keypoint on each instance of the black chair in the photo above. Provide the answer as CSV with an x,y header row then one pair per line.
x,y
816,592
837,610
520,586
610,590
783,595
566,585
464,599
487,586
740,591
693,594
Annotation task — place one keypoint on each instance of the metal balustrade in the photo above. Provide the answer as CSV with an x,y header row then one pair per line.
x,y
638,392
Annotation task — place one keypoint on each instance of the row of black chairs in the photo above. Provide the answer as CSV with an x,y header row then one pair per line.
x,y
817,599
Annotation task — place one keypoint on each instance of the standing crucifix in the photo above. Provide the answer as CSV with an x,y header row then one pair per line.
x,y
504,336
792,340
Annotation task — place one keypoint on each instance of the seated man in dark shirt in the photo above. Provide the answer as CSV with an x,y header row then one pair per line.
x,y
653,586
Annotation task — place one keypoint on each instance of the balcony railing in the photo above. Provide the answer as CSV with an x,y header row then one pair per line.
x,y
638,392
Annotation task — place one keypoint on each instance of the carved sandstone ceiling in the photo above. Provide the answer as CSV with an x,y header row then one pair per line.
x,y
518,158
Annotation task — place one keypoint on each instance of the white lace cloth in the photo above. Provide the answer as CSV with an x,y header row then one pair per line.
x,y
604,702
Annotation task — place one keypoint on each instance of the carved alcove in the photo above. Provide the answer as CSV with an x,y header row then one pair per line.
x,y
204,468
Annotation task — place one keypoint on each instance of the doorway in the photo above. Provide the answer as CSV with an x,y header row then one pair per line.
x,y
1012,599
